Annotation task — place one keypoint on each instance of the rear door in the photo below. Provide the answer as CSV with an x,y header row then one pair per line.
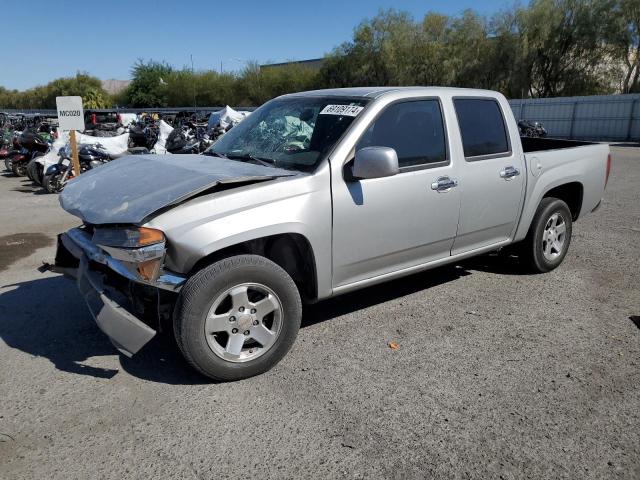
x,y
492,174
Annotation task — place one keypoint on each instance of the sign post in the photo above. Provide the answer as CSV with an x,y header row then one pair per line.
x,y
71,118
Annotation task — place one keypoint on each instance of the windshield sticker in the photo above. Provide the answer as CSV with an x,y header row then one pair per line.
x,y
348,110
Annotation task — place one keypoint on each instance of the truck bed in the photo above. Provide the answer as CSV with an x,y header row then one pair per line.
x,y
534,144
551,162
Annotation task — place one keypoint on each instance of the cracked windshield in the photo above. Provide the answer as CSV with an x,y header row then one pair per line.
x,y
292,133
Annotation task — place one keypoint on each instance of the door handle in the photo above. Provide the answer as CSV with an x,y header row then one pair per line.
x,y
509,172
444,184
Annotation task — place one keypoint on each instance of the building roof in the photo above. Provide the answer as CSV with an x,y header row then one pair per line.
x,y
314,63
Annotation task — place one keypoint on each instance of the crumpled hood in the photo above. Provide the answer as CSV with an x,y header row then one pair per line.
x,y
131,188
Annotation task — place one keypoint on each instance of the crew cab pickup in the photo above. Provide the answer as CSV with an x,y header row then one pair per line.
x,y
315,194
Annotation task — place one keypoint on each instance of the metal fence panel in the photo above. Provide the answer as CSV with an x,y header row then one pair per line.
x,y
598,117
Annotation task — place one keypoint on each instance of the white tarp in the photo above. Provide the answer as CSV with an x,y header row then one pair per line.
x,y
225,117
51,157
164,129
127,118
112,145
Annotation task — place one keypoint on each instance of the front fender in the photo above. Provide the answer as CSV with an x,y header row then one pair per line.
x,y
55,169
211,223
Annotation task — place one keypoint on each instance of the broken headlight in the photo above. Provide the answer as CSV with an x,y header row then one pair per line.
x,y
140,249
127,237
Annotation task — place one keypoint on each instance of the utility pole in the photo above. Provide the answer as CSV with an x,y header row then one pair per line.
x,y
193,81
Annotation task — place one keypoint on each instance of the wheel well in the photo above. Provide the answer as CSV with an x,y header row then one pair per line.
x,y
569,193
291,251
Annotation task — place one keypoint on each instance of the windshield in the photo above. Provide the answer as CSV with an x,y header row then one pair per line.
x,y
293,133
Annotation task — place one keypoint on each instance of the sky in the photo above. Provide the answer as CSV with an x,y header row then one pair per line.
x,y
44,40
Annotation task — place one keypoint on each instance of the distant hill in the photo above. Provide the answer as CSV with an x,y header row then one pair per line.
x,y
113,86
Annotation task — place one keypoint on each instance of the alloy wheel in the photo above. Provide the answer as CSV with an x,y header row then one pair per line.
x,y
244,322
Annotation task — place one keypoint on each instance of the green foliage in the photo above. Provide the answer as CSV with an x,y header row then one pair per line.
x,y
562,46
548,48
623,42
184,88
84,85
256,86
147,87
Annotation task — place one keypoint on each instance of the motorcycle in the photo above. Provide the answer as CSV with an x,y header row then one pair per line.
x,y
8,151
90,156
35,168
143,135
31,143
58,174
189,138
531,129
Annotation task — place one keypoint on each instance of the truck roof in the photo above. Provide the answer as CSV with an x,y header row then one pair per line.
x,y
375,92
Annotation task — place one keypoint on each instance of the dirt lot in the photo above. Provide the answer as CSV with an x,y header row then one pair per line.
x,y
497,374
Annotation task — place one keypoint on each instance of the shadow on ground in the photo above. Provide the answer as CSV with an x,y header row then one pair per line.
x,y
48,318
29,186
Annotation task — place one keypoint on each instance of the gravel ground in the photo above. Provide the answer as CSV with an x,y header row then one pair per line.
x,y
497,374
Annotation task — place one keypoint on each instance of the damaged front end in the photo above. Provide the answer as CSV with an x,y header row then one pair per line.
x,y
121,276
119,265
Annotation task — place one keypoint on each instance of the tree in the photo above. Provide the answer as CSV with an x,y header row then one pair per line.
x,y
563,45
381,53
623,39
84,85
261,84
147,87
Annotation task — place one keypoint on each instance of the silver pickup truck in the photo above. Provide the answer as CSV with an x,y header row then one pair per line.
x,y
313,195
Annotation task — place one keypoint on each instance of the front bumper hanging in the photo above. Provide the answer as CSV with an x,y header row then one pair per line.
x,y
107,305
127,333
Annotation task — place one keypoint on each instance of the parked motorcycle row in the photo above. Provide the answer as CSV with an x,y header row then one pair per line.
x,y
32,146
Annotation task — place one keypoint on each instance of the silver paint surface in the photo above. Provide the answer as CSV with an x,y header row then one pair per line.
x,y
129,189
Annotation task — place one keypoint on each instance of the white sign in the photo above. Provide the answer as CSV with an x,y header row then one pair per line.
x,y
70,113
348,110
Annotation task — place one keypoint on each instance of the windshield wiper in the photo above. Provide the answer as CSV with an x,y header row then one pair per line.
x,y
245,157
214,154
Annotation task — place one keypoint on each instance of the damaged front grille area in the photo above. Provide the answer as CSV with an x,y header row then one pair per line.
x,y
151,305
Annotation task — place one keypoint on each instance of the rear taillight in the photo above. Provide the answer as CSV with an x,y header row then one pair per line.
x,y
606,178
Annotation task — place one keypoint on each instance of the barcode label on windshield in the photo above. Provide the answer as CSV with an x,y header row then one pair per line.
x,y
348,110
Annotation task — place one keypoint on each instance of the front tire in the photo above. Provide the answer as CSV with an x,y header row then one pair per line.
x,y
549,236
52,183
237,318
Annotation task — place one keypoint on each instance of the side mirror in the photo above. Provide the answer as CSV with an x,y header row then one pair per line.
x,y
375,162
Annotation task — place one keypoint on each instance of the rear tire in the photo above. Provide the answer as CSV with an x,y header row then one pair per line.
x,y
549,236
237,318
19,169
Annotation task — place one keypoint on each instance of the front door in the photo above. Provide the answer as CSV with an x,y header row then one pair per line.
x,y
389,224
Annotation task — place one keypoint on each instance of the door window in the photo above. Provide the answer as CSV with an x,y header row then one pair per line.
x,y
415,130
482,128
